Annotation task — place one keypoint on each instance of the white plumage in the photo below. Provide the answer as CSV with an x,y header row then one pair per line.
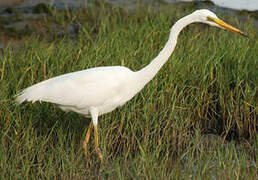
x,y
100,90
78,91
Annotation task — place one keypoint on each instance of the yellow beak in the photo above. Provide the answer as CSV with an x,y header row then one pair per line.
x,y
226,26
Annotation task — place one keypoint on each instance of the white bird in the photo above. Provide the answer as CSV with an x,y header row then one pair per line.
x,y
100,90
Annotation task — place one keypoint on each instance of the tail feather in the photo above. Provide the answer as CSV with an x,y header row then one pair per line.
x,y
33,93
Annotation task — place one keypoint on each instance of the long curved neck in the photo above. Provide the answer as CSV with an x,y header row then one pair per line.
x,y
148,72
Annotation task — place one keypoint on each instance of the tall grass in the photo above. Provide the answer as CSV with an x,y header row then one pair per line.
x,y
197,119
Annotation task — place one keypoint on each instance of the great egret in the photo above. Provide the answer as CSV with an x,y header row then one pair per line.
x,y
99,90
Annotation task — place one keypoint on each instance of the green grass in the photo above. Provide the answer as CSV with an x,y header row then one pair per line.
x,y
197,119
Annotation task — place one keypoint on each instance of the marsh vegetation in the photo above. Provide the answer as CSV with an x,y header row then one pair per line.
x,y
196,119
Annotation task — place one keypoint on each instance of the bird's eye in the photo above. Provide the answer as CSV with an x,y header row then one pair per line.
x,y
209,18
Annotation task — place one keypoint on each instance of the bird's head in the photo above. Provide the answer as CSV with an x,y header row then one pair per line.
x,y
208,17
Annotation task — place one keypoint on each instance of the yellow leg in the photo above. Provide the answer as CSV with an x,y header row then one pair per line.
x,y
96,137
87,138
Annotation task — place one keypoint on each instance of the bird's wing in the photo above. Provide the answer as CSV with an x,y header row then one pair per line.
x,y
90,87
